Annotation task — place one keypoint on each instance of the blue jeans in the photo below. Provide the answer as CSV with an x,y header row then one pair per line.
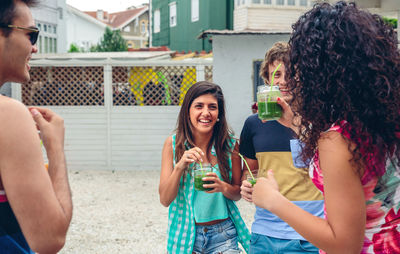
x,y
218,238
260,244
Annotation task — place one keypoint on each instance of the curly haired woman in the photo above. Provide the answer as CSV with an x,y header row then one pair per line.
x,y
346,70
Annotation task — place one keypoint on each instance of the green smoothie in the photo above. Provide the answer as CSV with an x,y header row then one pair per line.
x,y
198,183
252,181
269,110
199,174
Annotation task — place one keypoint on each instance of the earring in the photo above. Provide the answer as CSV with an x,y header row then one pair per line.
x,y
217,119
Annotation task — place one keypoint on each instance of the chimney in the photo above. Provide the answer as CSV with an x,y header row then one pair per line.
x,y
100,15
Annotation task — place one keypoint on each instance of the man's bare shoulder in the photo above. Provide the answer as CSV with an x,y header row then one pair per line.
x,y
12,112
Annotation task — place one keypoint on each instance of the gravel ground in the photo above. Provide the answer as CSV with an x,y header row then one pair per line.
x,y
119,212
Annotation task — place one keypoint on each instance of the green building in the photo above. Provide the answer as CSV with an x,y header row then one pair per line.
x,y
177,23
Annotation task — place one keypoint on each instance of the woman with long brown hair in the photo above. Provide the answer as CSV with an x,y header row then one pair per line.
x,y
202,221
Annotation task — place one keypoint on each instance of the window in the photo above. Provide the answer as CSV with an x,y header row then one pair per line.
x,y
46,45
60,13
280,2
303,2
256,1
55,29
40,44
267,1
172,14
156,21
195,10
39,26
257,80
51,45
237,2
143,27
127,29
290,2
45,28
55,45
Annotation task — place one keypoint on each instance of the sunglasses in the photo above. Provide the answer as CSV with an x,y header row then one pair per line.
x,y
33,35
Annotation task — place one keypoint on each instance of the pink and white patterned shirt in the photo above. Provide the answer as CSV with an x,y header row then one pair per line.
x,y
382,198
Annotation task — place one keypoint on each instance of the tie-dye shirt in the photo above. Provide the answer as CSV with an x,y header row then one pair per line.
x,y
382,194
12,241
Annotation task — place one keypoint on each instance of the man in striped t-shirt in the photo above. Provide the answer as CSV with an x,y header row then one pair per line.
x,y
267,145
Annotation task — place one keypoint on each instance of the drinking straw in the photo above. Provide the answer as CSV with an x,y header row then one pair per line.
x,y
201,166
247,165
272,79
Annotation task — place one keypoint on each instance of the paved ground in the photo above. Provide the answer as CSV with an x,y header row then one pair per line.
x,y
119,212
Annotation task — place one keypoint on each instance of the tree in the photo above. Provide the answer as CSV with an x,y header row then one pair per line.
x,y
390,21
111,41
73,48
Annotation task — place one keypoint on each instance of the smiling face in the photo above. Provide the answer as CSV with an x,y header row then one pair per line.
x,y
203,113
16,49
280,79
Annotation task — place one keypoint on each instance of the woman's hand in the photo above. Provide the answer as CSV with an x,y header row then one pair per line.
x,y
266,191
246,190
194,154
217,186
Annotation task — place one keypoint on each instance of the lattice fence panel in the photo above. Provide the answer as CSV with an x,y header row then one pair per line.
x,y
64,86
208,73
151,86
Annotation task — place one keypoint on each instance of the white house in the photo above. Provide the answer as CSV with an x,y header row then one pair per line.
x,y
236,59
268,15
132,22
50,18
83,30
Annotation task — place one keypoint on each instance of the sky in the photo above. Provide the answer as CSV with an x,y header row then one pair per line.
x,y
106,5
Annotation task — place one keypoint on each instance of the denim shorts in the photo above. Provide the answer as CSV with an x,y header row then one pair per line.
x,y
262,244
218,238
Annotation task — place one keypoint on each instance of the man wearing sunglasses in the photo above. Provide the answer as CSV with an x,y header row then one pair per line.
x,y
35,203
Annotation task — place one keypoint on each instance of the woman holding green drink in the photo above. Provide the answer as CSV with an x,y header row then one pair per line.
x,y
345,76
202,221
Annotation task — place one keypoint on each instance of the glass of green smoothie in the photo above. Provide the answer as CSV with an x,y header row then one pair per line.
x,y
252,178
200,172
268,108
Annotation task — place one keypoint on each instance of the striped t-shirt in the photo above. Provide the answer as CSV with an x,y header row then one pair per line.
x,y
269,144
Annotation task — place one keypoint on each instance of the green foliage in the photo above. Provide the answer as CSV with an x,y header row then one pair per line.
x,y
112,41
390,21
73,48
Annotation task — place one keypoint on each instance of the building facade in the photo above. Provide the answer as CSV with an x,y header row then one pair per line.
x,y
133,24
177,23
50,18
268,15
83,30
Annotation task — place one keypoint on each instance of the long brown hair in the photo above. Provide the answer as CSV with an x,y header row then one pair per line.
x,y
221,133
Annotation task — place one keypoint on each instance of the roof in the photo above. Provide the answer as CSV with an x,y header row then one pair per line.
x,y
242,32
140,55
85,16
120,19
143,58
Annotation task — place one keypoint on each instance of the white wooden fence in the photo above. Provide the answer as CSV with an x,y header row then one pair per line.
x,y
116,137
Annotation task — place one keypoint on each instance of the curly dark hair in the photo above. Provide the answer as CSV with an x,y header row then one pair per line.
x,y
345,65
